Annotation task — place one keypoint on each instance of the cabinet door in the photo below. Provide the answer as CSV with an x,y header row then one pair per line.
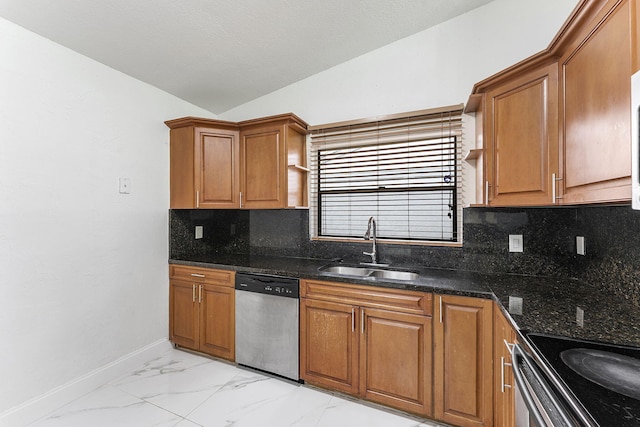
x,y
595,99
522,139
329,345
217,165
503,392
395,362
463,376
217,321
263,168
183,313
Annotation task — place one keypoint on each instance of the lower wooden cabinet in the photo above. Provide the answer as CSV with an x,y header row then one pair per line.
x,y
202,310
503,390
374,343
463,350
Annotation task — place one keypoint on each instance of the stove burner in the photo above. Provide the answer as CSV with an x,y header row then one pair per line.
x,y
615,372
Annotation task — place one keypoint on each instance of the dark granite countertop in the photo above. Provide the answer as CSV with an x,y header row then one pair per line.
x,y
549,304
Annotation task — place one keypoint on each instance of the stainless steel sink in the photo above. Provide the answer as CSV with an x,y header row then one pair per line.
x,y
346,271
369,272
395,274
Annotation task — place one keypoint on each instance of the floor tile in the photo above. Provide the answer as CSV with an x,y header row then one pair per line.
x,y
109,407
182,389
178,381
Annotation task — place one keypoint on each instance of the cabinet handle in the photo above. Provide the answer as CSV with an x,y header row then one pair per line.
x,y
554,181
509,346
200,293
241,199
353,319
486,192
193,293
197,199
197,275
362,320
502,365
440,308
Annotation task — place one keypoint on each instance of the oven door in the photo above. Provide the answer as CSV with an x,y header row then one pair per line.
x,y
537,402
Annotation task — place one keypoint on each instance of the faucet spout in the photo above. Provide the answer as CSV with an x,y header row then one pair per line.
x,y
371,235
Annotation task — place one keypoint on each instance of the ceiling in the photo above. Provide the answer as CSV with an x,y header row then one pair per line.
x,y
219,54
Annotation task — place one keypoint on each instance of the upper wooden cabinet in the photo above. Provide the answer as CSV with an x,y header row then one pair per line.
x,y
273,163
255,164
555,128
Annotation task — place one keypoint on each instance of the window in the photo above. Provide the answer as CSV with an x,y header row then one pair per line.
x,y
404,170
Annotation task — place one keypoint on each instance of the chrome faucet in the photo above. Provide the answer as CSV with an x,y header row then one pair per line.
x,y
371,234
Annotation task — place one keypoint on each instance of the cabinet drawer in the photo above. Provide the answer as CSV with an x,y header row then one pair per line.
x,y
202,275
368,296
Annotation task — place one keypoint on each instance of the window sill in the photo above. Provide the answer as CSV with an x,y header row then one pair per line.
x,y
389,241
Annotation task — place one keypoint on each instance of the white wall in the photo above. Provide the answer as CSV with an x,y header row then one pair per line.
x,y
433,68
84,268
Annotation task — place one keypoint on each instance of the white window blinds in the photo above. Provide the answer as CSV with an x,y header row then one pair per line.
x,y
404,170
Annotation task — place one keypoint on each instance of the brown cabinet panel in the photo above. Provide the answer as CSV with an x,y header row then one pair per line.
x,y
463,351
503,390
368,296
217,320
396,361
522,139
329,345
218,174
262,168
596,90
183,314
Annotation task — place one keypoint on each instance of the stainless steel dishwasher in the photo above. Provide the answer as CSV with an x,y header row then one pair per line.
x,y
267,323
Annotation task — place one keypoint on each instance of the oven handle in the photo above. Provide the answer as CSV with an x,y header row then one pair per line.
x,y
518,355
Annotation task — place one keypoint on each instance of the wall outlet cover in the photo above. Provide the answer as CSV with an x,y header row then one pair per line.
x,y
580,317
515,305
516,243
199,231
580,245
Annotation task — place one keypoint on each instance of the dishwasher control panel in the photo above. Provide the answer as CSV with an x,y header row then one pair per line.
x,y
267,284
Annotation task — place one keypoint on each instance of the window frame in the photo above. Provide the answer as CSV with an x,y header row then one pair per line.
x,y
320,140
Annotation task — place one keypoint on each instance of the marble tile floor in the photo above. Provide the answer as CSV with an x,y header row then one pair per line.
x,y
187,390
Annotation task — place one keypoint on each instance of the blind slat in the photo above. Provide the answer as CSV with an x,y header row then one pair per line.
x,y
404,172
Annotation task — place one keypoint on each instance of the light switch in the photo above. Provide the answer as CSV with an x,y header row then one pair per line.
x,y
516,243
199,231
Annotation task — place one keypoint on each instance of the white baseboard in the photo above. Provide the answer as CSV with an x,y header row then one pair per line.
x,y
39,406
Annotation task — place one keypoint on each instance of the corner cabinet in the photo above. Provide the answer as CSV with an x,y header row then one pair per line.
x,y
463,355
202,310
255,164
374,343
273,163
555,128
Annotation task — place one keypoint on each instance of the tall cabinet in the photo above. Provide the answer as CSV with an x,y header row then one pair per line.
x,y
555,128
254,164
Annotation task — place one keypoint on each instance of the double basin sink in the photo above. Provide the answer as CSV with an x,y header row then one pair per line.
x,y
369,272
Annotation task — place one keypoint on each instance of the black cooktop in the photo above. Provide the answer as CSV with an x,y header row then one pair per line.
x,y
592,371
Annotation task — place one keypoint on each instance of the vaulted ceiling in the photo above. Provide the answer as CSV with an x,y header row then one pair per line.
x,y
219,54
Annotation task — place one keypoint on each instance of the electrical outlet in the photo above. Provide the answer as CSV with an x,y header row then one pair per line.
x,y
516,243
580,245
199,231
232,230
580,317
515,305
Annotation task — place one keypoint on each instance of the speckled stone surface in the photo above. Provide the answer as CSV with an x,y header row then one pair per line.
x,y
548,275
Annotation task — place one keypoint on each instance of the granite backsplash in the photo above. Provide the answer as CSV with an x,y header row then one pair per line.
x,y
612,236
